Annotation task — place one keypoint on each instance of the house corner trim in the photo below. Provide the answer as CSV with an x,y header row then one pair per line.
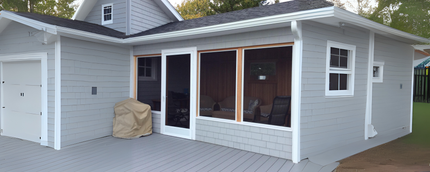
x,y
368,115
296,29
57,130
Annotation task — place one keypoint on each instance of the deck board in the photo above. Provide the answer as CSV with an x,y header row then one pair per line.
x,y
152,153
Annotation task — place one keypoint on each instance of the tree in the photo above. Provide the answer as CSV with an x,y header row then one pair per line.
x,y
59,8
223,6
194,9
412,16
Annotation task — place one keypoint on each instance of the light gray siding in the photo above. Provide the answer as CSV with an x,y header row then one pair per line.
x,y
156,120
271,36
119,14
146,14
85,65
266,141
16,39
330,122
391,104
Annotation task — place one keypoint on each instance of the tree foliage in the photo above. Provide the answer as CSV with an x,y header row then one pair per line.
x,y
194,9
190,9
59,8
412,16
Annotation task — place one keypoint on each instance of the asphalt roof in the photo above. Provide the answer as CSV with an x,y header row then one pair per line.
x,y
250,13
73,24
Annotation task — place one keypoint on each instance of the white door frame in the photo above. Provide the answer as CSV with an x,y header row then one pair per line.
x,y
176,131
42,57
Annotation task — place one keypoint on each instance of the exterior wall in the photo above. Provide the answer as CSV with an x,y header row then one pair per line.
x,y
330,122
250,138
85,65
156,122
146,14
391,105
15,39
119,14
261,140
272,36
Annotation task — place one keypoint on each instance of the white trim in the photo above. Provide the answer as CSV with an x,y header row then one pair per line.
x,y
132,75
172,10
368,115
350,71
57,130
193,79
84,9
103,14
380,78
296,90
154,69
412,92
43,56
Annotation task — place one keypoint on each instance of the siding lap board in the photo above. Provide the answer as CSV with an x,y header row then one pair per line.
x,y
119,14
85,65
390,104
146,14
328,123
15,39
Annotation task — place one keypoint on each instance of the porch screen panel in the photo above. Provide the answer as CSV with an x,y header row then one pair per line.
x,y
267,75
218,84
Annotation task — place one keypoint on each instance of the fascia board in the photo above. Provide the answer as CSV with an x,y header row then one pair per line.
x,y
30,22
84,9
283,18
169,9
374,26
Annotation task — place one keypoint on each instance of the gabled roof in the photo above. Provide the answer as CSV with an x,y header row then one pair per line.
x,y
87,5
250,13
72,24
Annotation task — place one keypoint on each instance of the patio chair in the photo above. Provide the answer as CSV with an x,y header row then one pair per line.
x,y
279,111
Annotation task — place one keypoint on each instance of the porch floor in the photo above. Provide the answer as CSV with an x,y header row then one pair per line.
x,y
152,153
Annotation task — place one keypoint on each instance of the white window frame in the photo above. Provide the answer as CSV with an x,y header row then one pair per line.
x,y
153,76
380,78
350,71
103,19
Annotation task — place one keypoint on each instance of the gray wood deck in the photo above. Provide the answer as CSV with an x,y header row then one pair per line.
x,y
152,153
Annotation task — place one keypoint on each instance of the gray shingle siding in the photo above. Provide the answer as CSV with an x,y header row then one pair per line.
x,y
119,14
391,105
146,14
16,40
266,141
331,122
85,65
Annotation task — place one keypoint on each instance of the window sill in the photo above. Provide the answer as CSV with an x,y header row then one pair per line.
x,y
246,123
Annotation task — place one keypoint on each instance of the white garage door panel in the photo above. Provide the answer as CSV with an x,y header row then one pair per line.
x,y
22,100
22,123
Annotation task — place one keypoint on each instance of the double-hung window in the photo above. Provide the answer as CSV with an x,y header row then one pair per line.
x,y
340,69
107,14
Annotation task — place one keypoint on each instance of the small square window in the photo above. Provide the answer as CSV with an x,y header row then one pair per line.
x,y
340,69
107,14
378,72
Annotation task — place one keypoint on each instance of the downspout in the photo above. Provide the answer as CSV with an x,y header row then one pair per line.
x,y
296,77
369,129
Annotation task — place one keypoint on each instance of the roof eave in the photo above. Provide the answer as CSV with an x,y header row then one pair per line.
x,y
377,27
239,25
84,9
30,22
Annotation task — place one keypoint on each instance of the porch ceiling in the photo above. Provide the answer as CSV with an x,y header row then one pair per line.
x,y
153,153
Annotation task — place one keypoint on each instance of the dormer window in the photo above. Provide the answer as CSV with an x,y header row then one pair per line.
x,y
107,14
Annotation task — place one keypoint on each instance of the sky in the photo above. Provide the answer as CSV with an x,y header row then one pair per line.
x,y
175,2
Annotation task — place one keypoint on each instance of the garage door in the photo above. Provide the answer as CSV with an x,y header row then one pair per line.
x,y
22,100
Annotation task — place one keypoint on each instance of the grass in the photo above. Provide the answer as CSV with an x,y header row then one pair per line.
x,y
420,125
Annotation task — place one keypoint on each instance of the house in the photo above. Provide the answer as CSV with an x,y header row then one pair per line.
x,y
211,79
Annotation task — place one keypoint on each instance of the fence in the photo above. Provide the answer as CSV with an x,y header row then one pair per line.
x,y
421,85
